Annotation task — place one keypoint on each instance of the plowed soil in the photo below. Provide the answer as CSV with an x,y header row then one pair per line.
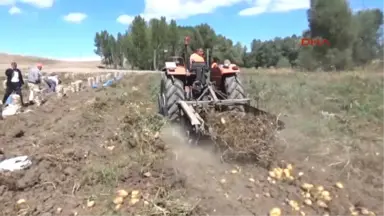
x,y
87,146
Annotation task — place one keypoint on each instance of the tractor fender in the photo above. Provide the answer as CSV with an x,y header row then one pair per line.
x,y
178,71
229,70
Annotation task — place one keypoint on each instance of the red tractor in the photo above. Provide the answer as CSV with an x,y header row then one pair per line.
x,y
219,88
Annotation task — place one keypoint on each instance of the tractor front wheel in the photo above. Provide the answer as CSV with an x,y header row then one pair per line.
x,y
234,90
171,91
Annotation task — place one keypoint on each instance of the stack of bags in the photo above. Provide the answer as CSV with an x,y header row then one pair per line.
x,y
13,107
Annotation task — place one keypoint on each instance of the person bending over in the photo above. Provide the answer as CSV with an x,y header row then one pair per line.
x,y
52,81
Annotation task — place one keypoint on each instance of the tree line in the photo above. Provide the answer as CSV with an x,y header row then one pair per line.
x,y
355,39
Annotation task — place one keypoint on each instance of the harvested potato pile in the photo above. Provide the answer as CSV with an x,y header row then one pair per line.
x,y
244,137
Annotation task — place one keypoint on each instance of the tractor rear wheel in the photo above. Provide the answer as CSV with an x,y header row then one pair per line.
x,y
171,91
234,90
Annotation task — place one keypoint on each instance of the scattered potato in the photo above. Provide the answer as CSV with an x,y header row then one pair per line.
x,y
134,193
307,186
222,121
278,173
339,185
364,211
133,201
117,207
251,180
320,188
327,198
110,148
325,193
234,171
21,201
287,172
308,202
294,205
118,200
223,181
122,193
272,174
291,178
275,212
90,203
322,204
59,210
266,194
300,173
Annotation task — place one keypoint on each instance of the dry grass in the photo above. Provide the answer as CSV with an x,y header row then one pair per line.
x,y
353,128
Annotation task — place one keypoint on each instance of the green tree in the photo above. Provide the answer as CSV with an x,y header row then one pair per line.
x,y
140,43
173,37
332,20
354,38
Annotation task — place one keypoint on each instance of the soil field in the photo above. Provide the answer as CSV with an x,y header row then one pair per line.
x,y
87,147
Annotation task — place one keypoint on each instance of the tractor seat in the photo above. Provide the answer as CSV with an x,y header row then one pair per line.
x,y
195,66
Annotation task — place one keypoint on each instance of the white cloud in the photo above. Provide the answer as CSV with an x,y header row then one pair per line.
x,y
7,2
125,19
35,3
14,10
181,9
39,3
265,6
75,17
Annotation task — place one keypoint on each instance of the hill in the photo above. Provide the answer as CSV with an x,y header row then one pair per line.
x,y
26,61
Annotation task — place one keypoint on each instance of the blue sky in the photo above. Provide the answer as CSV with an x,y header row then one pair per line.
x,y
65,29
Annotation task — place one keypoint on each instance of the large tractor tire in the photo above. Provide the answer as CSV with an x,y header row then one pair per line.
x,y
234,90
171,91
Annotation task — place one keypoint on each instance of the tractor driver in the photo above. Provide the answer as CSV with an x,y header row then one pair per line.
x,y
196,63
197,56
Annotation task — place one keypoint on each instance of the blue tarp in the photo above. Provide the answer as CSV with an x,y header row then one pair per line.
x,y
108,83
9,100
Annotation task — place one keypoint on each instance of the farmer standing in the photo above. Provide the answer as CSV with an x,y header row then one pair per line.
x,y
14,82
34,80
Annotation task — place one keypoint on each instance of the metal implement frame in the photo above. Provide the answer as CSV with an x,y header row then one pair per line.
x,y
188,107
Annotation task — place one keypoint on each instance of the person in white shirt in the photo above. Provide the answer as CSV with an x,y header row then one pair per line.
x,y
14,82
